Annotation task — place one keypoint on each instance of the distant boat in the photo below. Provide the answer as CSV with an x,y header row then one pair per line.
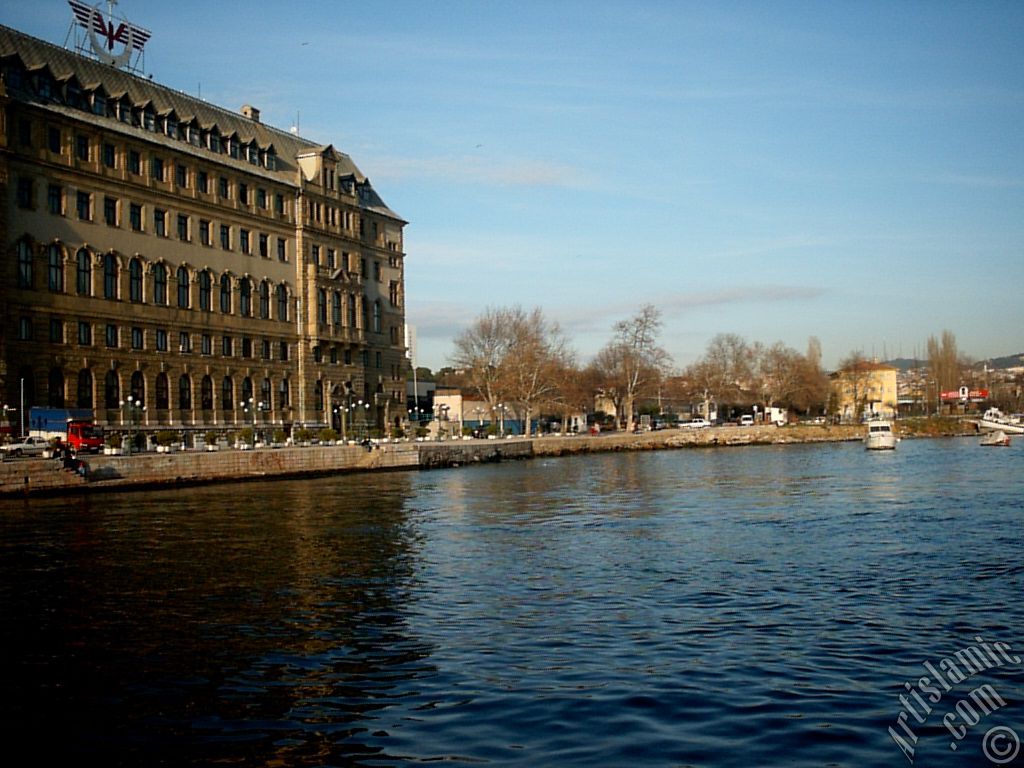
x,y
880,436
998,437
994,419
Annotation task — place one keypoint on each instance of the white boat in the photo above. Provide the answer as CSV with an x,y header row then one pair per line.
x,y
880,436
998,437
994,419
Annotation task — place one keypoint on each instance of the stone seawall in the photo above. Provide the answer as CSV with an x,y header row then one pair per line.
x,y
696,438
29,476
34,476
454,454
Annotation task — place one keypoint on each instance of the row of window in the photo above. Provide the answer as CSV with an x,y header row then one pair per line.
x,y
114,157
160,339
155,290
270,396
159,220
99,102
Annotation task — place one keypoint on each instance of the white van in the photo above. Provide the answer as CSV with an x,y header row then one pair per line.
x,y
746,420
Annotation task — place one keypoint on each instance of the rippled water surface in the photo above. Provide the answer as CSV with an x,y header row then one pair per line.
x,y
720,607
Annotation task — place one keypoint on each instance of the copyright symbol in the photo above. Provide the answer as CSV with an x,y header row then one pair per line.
x,y
1000,745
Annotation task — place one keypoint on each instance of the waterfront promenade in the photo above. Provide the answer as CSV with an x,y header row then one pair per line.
x,y
45,476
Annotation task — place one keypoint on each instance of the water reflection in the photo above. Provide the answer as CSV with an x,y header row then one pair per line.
x,y
714,607
259,621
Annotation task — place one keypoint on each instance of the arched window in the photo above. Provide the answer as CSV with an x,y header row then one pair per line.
x,y
160,284
24,264
246,390
109,276
85,388
265,391
376,316
283,394
245,297
163,397
184,392
204,290
282,302
111,390
227,392
138,387
225,294
135,280
264,300
336,308
55,268
55,388
83,273
206,394
318,395
183,302
321,306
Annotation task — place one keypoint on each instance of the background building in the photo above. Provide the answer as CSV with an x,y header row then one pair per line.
x,y
862,389
163,251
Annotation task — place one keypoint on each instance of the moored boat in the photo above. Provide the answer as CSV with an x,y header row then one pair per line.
x,y
998,438
995,419
880,436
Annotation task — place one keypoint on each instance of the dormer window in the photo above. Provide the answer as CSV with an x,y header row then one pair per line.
x,y
74,94
148,119
44,87
271,161
171,127
124,111
99,103
14,76
214,141
233,147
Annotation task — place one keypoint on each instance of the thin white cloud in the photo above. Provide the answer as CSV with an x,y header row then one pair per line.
x,y
484,170
586,319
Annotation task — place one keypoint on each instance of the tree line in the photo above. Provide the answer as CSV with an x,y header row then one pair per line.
x,y
521,359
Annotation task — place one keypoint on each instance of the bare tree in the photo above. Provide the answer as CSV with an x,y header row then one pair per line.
x,y
632,361
944,362
536,356
724,371
480,350
855,375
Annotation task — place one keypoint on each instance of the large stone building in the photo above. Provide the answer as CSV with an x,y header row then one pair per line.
x,y
164,251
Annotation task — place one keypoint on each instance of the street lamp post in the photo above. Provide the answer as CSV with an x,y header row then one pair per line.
x,y
501,415
442,418
252,405
8,410
133,406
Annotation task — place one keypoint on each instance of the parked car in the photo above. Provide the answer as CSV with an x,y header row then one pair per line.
x,y
29,446
698,423
746,420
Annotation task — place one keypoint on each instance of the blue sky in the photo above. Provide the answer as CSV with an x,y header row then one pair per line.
x,y
850,170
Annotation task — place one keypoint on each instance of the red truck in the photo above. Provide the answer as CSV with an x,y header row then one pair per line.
x,y
74,426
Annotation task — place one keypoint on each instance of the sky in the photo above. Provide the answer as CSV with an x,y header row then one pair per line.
x,y
852,171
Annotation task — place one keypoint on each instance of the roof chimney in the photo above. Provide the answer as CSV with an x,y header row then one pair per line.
x,y
251,112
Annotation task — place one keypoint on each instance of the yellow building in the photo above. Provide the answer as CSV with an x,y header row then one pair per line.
x,y
864,388
164,251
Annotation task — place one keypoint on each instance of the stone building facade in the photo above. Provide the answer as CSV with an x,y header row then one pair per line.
x,y
165,252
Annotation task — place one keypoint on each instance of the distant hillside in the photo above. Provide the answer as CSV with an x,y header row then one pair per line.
x,y
1010,361
993,363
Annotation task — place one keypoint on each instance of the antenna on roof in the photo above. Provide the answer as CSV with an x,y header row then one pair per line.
x,y
295,128
98,35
